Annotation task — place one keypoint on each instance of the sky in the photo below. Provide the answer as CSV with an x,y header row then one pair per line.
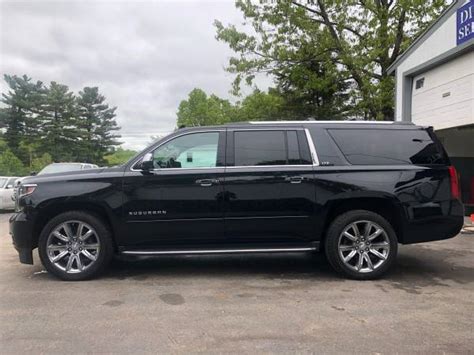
x,y
145,56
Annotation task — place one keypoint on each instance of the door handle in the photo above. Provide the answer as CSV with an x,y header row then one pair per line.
x,y
207,182
295,179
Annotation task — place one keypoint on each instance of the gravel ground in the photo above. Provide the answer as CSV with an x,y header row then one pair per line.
x,y
253,304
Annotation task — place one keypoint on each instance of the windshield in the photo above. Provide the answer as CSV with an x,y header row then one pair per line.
x,y
59,168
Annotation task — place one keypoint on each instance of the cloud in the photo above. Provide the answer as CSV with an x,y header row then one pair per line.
x,y
145,56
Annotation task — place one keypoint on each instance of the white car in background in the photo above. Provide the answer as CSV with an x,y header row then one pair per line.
x,y
63,167
7,184
52,169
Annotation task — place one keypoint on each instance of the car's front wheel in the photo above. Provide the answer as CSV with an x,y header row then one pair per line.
x,y
361,244
75,246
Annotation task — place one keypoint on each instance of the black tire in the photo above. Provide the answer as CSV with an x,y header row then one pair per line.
x,y
333,235
103,235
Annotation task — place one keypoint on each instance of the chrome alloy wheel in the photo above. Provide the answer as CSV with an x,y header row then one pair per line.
x,y
363,246
73,246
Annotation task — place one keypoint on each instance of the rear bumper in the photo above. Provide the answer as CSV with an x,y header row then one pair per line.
x,y
437,227
21,230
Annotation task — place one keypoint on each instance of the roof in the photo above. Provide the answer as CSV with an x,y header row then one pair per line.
x,y
426,33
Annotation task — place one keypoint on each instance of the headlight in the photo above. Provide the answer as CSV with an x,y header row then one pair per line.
x,y
26,189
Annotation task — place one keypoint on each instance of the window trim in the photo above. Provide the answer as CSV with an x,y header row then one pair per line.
x,y
312,148
309,142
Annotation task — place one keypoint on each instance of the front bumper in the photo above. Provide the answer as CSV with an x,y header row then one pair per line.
x,y
21,230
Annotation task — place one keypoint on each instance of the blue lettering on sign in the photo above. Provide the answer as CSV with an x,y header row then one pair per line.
x,y
465,23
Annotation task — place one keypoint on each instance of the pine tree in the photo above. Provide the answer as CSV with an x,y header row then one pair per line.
x,y
58,121
51,122
97,125
19,116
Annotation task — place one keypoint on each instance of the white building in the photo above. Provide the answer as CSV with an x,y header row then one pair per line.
x,y
435,87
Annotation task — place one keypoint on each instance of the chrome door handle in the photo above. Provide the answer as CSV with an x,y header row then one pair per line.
x,y
207,182
295,179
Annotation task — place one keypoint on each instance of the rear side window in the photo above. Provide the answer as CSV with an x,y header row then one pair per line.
x,y
388,147
252,148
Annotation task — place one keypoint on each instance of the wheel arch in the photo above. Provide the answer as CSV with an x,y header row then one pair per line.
x,y
389,208
46,213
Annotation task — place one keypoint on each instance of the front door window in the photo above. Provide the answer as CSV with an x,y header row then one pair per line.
x,y
196,150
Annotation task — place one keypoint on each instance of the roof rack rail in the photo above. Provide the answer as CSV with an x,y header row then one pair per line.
x,y
338,121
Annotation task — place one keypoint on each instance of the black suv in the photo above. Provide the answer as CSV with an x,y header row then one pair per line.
x,y
352,189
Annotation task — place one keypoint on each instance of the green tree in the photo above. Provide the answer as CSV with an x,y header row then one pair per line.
x,y
40,162
19,117
262,106
58,120
3,143
119,156
97,126
32,149
328,54
39,120
10,165
200,110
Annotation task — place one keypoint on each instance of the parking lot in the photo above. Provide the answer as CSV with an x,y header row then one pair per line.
x,y
253,303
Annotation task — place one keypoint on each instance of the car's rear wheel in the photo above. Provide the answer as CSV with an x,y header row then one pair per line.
x,y
75,246
361,245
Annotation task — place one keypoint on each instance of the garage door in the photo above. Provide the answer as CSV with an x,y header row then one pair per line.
x,y
443,97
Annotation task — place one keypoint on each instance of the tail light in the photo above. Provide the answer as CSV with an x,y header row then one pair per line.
x,y
454,179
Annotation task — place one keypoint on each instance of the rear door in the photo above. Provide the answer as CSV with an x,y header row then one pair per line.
x,y
269,190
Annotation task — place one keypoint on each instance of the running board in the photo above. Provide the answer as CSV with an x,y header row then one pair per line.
x,y
220,251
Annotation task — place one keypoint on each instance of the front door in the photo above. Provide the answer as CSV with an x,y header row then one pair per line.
x,y
269,186
180,200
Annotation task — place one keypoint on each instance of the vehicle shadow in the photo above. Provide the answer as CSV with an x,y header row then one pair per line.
x,y
415,268
291,265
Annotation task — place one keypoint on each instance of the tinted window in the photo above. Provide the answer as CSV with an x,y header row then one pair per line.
x,y
197,150
387,146
327,151
260,148
293,148
266,148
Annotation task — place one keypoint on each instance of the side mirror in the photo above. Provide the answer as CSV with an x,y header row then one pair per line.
x,y
146,165
9,186
33,173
